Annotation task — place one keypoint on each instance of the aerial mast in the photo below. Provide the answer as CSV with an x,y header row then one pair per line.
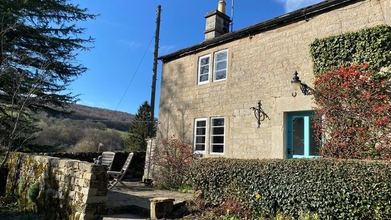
x,y
232,16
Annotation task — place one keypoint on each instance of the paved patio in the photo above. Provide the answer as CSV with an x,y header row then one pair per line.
x,y
132,202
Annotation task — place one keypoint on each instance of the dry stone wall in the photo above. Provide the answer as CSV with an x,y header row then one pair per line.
x,y
60,188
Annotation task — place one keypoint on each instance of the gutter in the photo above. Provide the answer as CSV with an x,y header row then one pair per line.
x,y
295,16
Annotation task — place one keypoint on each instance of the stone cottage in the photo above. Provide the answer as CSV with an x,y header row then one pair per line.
x,y
231,94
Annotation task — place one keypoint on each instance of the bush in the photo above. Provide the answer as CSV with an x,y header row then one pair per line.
x,y
353,114
333,189
172,159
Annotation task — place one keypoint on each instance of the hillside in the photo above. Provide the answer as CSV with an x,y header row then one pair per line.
x,y
112,119
82,130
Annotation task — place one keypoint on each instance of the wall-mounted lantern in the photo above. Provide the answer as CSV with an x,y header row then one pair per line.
x,y
259,114
296,83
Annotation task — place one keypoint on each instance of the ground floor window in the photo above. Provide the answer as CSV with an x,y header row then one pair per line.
x,y
200,135
217,133
214,136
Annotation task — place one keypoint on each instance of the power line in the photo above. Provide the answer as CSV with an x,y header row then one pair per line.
x,y
106,120
142,58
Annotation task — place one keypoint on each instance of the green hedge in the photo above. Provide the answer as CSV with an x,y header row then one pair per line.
x,y
334,189
371,46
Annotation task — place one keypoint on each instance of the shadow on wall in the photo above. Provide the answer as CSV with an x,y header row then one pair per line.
x,y
173,118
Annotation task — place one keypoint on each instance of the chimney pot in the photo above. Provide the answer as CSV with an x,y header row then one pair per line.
x,y
221,7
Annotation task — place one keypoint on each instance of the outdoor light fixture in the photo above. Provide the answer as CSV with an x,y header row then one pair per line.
x,y
259,114
296,83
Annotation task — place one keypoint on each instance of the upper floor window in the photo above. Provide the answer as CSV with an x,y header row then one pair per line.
x,y
203,69
220,65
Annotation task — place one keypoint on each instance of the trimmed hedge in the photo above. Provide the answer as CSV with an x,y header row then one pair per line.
x,y
334,189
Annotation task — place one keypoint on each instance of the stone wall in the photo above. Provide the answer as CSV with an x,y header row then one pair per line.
x,y
260,67
60,188
135,170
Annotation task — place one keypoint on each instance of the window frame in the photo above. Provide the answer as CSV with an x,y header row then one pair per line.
x,y
195,135
215,54
199,82
211,135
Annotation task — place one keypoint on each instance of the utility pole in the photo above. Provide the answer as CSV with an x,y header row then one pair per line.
x,y
154,71
148,157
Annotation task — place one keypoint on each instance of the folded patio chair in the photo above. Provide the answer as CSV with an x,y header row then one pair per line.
x,y
106,159
118,175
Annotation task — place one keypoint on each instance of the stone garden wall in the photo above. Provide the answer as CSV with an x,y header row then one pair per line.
x,y
60,188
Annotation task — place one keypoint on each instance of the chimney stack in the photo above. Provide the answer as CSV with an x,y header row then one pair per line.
x,y
217,22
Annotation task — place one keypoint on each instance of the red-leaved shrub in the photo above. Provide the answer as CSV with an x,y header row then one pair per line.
x,y
353,114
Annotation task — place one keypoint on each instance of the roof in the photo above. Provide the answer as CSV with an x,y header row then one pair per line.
x,y
288,18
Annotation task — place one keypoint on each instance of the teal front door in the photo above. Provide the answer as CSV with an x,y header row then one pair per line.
x,y
301,139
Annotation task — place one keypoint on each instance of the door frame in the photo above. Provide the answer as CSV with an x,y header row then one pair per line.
x,y
289,133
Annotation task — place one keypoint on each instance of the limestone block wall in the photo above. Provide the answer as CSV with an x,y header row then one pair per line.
x,y
260,67
59,188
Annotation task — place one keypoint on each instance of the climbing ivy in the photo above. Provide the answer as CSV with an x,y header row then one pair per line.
x,y
371,46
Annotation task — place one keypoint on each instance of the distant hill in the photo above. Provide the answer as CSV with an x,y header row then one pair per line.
x,y
112,119
83,130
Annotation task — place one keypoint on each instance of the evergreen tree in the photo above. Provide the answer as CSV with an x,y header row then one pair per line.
x,y
39,41
138,132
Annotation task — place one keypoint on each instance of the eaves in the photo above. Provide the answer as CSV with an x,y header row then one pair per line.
x,y
277,22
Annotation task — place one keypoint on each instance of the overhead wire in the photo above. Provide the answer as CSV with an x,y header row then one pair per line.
x,y
131,80
123,121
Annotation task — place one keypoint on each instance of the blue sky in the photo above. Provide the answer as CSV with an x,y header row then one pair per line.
x,y
119,66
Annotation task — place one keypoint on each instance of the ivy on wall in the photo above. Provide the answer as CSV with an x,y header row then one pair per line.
x,y
351,92
371,46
